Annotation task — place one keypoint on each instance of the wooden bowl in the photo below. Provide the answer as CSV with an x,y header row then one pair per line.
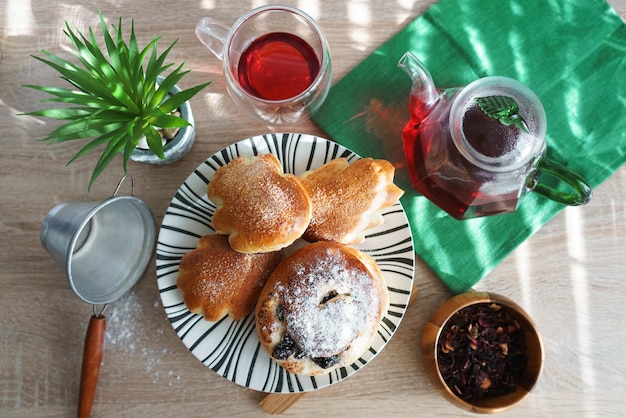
x,y
533,352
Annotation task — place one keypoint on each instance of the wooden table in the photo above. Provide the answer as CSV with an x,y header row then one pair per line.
x,y
570,276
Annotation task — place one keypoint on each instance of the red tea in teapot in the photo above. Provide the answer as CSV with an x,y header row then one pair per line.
x,y
487,135
476,150
441,173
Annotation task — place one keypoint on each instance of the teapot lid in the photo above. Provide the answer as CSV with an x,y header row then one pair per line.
x,y
498,123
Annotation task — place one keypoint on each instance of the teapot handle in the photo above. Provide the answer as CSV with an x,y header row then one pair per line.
x,y
582,190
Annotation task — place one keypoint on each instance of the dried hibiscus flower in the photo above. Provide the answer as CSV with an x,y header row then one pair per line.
x,y
481,352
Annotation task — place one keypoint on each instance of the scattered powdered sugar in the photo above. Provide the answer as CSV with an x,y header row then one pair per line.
x,y
123,323
127,335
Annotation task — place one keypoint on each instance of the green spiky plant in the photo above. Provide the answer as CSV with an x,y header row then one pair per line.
x,y
116,101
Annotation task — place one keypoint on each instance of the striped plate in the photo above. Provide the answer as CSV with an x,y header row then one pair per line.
x,y
232,348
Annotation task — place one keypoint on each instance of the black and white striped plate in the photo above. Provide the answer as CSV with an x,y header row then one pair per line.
x,y
231,348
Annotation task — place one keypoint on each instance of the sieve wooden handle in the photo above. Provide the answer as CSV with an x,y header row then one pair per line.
x,y
92,359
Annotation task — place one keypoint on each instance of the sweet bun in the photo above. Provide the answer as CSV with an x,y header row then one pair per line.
x,y
348,198
259,207
215,280
321,307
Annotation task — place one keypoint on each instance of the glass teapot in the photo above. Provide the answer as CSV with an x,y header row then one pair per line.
x,y
476,150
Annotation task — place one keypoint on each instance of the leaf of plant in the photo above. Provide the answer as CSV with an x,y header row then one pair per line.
x,y
148,80
90,55
136,58
133,130
57,62
111,47
110,79
62,113
81,79
179,98
118,55
72,96
108,72
77,129
133,47
124,98
166,86
154,141
155,65
83,53
113,148
168,121
106,138
112,115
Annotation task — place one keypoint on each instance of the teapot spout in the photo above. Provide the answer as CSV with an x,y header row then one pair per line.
x,y
423,89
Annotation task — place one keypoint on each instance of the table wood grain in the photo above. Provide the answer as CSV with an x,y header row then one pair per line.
x,y
570,276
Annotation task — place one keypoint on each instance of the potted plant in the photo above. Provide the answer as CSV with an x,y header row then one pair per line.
x,y
117,100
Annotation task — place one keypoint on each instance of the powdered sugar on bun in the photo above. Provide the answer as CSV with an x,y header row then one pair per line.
x,y
321,308
348,199
259,207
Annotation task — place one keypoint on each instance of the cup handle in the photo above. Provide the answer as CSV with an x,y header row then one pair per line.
x,y
213,35
582,190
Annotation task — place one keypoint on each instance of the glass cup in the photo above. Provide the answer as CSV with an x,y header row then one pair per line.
x,y
276,62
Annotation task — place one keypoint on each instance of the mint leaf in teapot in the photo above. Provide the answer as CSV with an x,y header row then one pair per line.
x,y
503,108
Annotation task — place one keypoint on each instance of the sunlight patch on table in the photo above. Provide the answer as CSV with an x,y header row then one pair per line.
x,y
216,103
524,263
580,288
310,7
18,18
405,10
360,17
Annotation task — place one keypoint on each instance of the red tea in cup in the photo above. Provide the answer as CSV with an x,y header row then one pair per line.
x,y
275,60
278,66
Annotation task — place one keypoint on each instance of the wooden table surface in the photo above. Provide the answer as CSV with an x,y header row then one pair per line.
x,y
570,276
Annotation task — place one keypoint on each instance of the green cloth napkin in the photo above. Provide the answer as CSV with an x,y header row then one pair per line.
x,y
571,53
